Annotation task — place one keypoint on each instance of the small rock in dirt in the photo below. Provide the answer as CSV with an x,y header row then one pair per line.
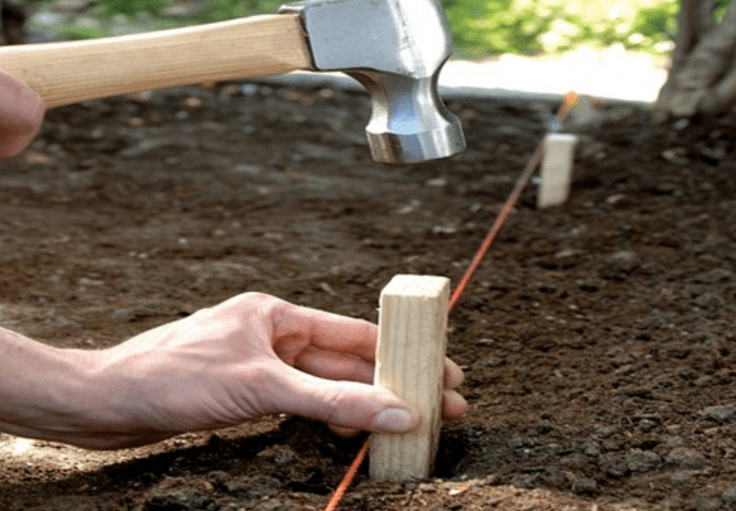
x,y
276,505
610,445
519,442
646,425
613,465
716,276
253,487
657,319
218,477
284,454
720,413
576,461
681,477
643,461
70,503
605,431
684,457
491,362
554,477
620,265
591,449
178,500
729,498
707,504
673,441
585,486
545,427
574,394
709,301
124,315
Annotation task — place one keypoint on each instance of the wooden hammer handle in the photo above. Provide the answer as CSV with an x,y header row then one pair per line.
x,y
69,72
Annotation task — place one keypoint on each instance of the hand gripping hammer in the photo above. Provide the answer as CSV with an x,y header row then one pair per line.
x,y
395,48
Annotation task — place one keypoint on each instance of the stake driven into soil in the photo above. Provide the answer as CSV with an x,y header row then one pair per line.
x,y
562,114
410,361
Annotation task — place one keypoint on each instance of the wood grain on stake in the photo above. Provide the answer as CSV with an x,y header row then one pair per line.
x,y
410,362
69,72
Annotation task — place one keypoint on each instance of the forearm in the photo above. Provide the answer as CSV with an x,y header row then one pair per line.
x,y
46,392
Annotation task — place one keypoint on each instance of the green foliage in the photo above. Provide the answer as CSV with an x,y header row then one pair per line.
x,y
483,27
719,9
206,10
132,7
78,33
213,10
550,26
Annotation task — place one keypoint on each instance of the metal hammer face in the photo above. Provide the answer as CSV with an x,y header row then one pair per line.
x,y
396,49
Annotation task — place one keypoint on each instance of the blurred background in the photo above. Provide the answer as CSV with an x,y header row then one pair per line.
x,y
679,54
480,27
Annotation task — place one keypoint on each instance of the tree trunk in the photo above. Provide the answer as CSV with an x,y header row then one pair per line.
x,y
702,78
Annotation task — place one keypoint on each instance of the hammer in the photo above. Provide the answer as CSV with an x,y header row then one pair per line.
x,y
395,48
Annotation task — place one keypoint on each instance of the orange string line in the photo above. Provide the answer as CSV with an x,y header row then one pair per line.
x,y
343,486
562,113
531,166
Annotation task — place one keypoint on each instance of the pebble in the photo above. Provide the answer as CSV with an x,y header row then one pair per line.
x,y
620,264
492,362
124,315
673,441
218,477
684,457
729,497
285,454
585,486
719,413
591,449
707,504
680,477
605,431
714,276
255,487
70,503
646,425
643,461
709,301
613,465
179,500
276,505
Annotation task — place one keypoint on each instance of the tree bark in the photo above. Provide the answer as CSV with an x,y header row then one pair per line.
x,y
702,78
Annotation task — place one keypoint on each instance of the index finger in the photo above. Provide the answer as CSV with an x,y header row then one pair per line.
x,y
328,331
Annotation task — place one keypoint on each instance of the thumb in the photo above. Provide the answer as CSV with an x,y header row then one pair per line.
x,y
345,404
21,114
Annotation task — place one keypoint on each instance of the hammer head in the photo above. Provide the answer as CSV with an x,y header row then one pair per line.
x,y
396,49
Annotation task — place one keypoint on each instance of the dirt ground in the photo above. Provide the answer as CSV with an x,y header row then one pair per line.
x,y
596,337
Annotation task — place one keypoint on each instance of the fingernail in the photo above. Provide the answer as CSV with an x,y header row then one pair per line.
x,y
393,420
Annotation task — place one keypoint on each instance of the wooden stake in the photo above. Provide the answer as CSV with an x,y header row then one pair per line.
x,y
410,362
556,170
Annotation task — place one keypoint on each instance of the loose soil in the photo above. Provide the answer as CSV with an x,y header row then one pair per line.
x,y
596,337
